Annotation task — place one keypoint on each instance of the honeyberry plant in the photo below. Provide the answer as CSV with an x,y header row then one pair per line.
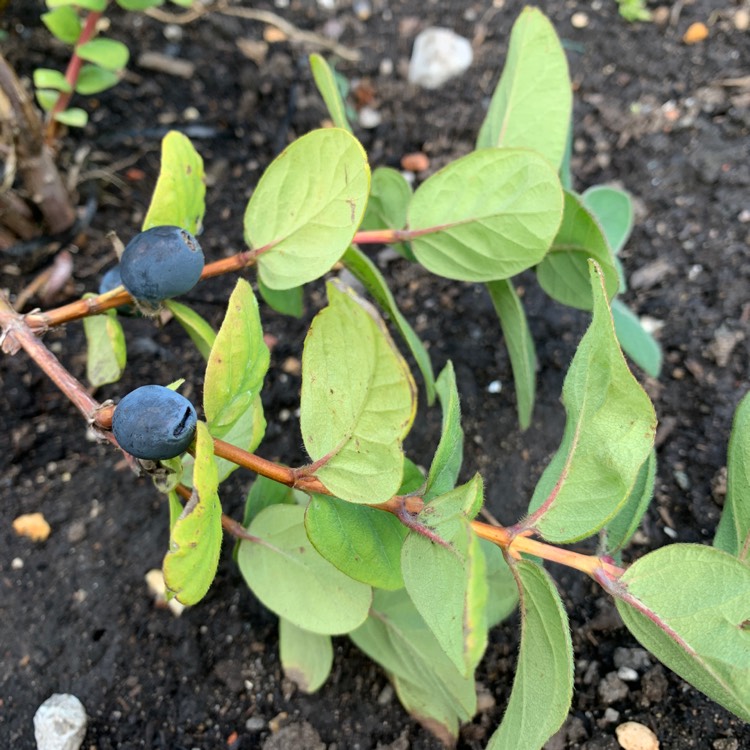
x,y
359,541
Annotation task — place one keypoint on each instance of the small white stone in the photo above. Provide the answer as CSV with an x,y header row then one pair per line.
x,y
60,723
369,118
439,55
627,674
579,20
495,387
16,563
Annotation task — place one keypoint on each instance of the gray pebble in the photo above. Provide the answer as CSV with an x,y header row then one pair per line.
x,y
60,723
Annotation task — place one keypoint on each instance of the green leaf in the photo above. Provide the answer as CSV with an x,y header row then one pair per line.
x,y
108,53
533,100
733,533
293,580
138,4
179,196
520,345
503,592
362,542
544,675
358,401
106,353
183,3
488,215
46,98
452,597
609,432
427,682
306,657
263,494
284,301
63,23
361,267
237,364
307,207
47,78
446,463
635,340
199,330
413,479
97,5
390,194
564,272
613,209
175,509
326,84
195,540
622,527
92,80
690,606
73,117
168,475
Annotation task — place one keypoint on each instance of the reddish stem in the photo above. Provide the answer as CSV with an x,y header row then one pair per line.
x,y
71,75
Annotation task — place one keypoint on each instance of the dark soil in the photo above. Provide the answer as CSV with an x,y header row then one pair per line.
x,y
651,113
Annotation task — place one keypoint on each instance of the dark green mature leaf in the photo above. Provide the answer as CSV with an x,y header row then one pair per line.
x,y
544,675
520,345
358,401
93,79
107,53
362,542
293,580
195,539
63,23
446,464
733,534
306,657
367,272
622,527
180,193
307,207
635,340
564,272
284,301
427,682
690,606
609,432
448,584
106,354
533,100
486,216
390,194
199,330
325,80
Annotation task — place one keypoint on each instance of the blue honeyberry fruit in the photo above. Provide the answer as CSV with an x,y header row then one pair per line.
x,y
154,423
110,280
161,263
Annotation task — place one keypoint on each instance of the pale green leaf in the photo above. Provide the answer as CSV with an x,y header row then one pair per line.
x,y
608,435
427,682
613,209
390,194
564,272
733,533
98,5
63,23
73,117
293,580
138,4
358,401
325,82
690,606
306,657
533,100
46,98
502,596
307,207
622,527
107,53
263,493
285,301
93,79
520,345
446,462
367,272
195,539
543,683
635,340
47,78
362,542
106,353
199,330
488,215
179,196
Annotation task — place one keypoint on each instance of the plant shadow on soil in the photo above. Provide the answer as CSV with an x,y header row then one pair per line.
x,y
650,113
